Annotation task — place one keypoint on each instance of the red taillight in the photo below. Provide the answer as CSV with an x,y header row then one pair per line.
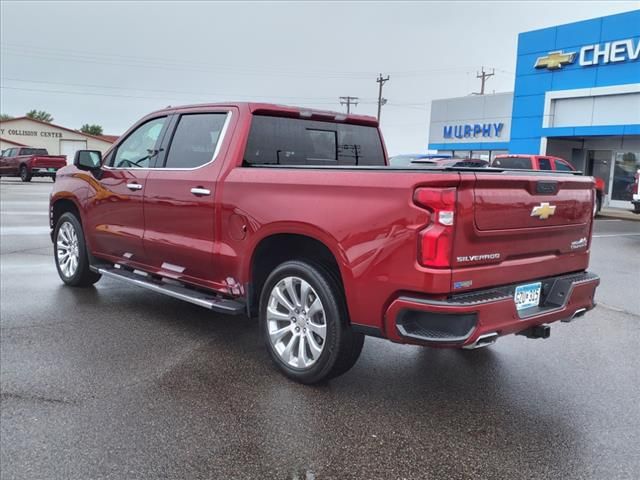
x,y
435,241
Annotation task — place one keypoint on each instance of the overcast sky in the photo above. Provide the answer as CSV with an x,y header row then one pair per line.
x,y
110,63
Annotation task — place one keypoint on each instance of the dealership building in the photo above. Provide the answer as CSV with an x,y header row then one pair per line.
x,y
27,132
576,96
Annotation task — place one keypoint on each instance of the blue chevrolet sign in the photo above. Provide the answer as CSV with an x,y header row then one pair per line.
x,y
472,131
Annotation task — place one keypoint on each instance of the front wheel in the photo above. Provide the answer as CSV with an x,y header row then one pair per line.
x,y
305,325
25,176
70,252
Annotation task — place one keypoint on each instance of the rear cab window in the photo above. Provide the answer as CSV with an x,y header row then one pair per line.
x,y
34,151
293,141
520,163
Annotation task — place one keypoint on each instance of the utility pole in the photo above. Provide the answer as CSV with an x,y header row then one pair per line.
x,y
484,76
348,101
381,101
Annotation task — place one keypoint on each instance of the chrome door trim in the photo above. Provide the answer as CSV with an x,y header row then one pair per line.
x,y
223,133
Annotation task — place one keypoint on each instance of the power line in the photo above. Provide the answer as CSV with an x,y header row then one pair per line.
x,y
98,94
381,101
348,101
112,87
164,63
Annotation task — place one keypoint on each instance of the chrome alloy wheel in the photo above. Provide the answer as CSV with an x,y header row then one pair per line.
x,y
67,250
296,322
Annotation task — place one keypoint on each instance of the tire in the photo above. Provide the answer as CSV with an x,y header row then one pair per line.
x,y
283,330
69,237
636,208
25,176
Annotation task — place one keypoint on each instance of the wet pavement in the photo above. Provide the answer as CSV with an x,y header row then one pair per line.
x,y
118,382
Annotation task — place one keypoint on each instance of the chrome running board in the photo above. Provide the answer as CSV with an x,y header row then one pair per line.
x,y
203,299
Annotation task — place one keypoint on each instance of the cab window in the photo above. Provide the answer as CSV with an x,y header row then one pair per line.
x,y
138,150
563,167
195,139
523,163
544,164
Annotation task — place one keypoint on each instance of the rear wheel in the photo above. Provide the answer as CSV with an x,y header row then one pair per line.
x,y
304,321
25,176
70,252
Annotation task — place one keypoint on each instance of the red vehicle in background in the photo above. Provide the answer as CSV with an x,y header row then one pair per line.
x,y
28,162
636,193
295,217
546,162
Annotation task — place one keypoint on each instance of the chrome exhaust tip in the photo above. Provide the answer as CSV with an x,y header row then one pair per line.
x,y
483,341
578,313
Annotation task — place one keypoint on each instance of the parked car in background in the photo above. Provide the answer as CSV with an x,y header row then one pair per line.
x,y
636,193
546,162
294,216
28,162
436,161
406,159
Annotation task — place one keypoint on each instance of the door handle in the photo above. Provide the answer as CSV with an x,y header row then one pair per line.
x,y
199,191
134,186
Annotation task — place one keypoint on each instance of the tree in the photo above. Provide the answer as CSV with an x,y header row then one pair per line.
x,y
91,129
40,115
4,116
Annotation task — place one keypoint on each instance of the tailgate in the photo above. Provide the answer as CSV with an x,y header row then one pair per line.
x,y
513,227
49,161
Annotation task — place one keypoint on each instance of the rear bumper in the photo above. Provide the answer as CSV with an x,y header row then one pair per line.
x,y
460,320
44,171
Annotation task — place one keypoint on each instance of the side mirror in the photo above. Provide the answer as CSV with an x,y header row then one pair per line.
x,y
88,159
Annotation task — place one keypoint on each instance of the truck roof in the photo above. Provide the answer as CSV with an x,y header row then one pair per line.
x,y
281,111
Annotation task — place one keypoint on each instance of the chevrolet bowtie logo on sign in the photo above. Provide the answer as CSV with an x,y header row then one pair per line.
x,y
543,211
555,60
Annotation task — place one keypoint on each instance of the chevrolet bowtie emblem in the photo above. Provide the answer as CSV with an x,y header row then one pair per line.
x,y
555,60
543,211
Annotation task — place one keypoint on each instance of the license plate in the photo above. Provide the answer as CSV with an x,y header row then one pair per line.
x,y
527,295
52,169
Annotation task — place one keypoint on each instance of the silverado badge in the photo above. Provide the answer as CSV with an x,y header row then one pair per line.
x,y
543,211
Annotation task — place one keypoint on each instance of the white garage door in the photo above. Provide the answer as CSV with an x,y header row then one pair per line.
x,y
70,147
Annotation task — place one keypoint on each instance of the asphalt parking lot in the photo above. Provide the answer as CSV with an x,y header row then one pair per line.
x,y
118,382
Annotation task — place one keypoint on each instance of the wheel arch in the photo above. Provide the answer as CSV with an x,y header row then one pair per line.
x,y
278,247
62,205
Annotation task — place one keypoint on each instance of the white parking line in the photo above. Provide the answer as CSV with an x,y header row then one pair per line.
x,y
35,230
25,213
617,235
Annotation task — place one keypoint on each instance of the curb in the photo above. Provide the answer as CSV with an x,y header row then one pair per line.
x,y
618,214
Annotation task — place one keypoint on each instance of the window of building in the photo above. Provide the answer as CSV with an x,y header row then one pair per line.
x,y
624,175
480,154
292,141
195,139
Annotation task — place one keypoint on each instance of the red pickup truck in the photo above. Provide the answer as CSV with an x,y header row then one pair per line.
x,y
548,163
293,216
28,162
